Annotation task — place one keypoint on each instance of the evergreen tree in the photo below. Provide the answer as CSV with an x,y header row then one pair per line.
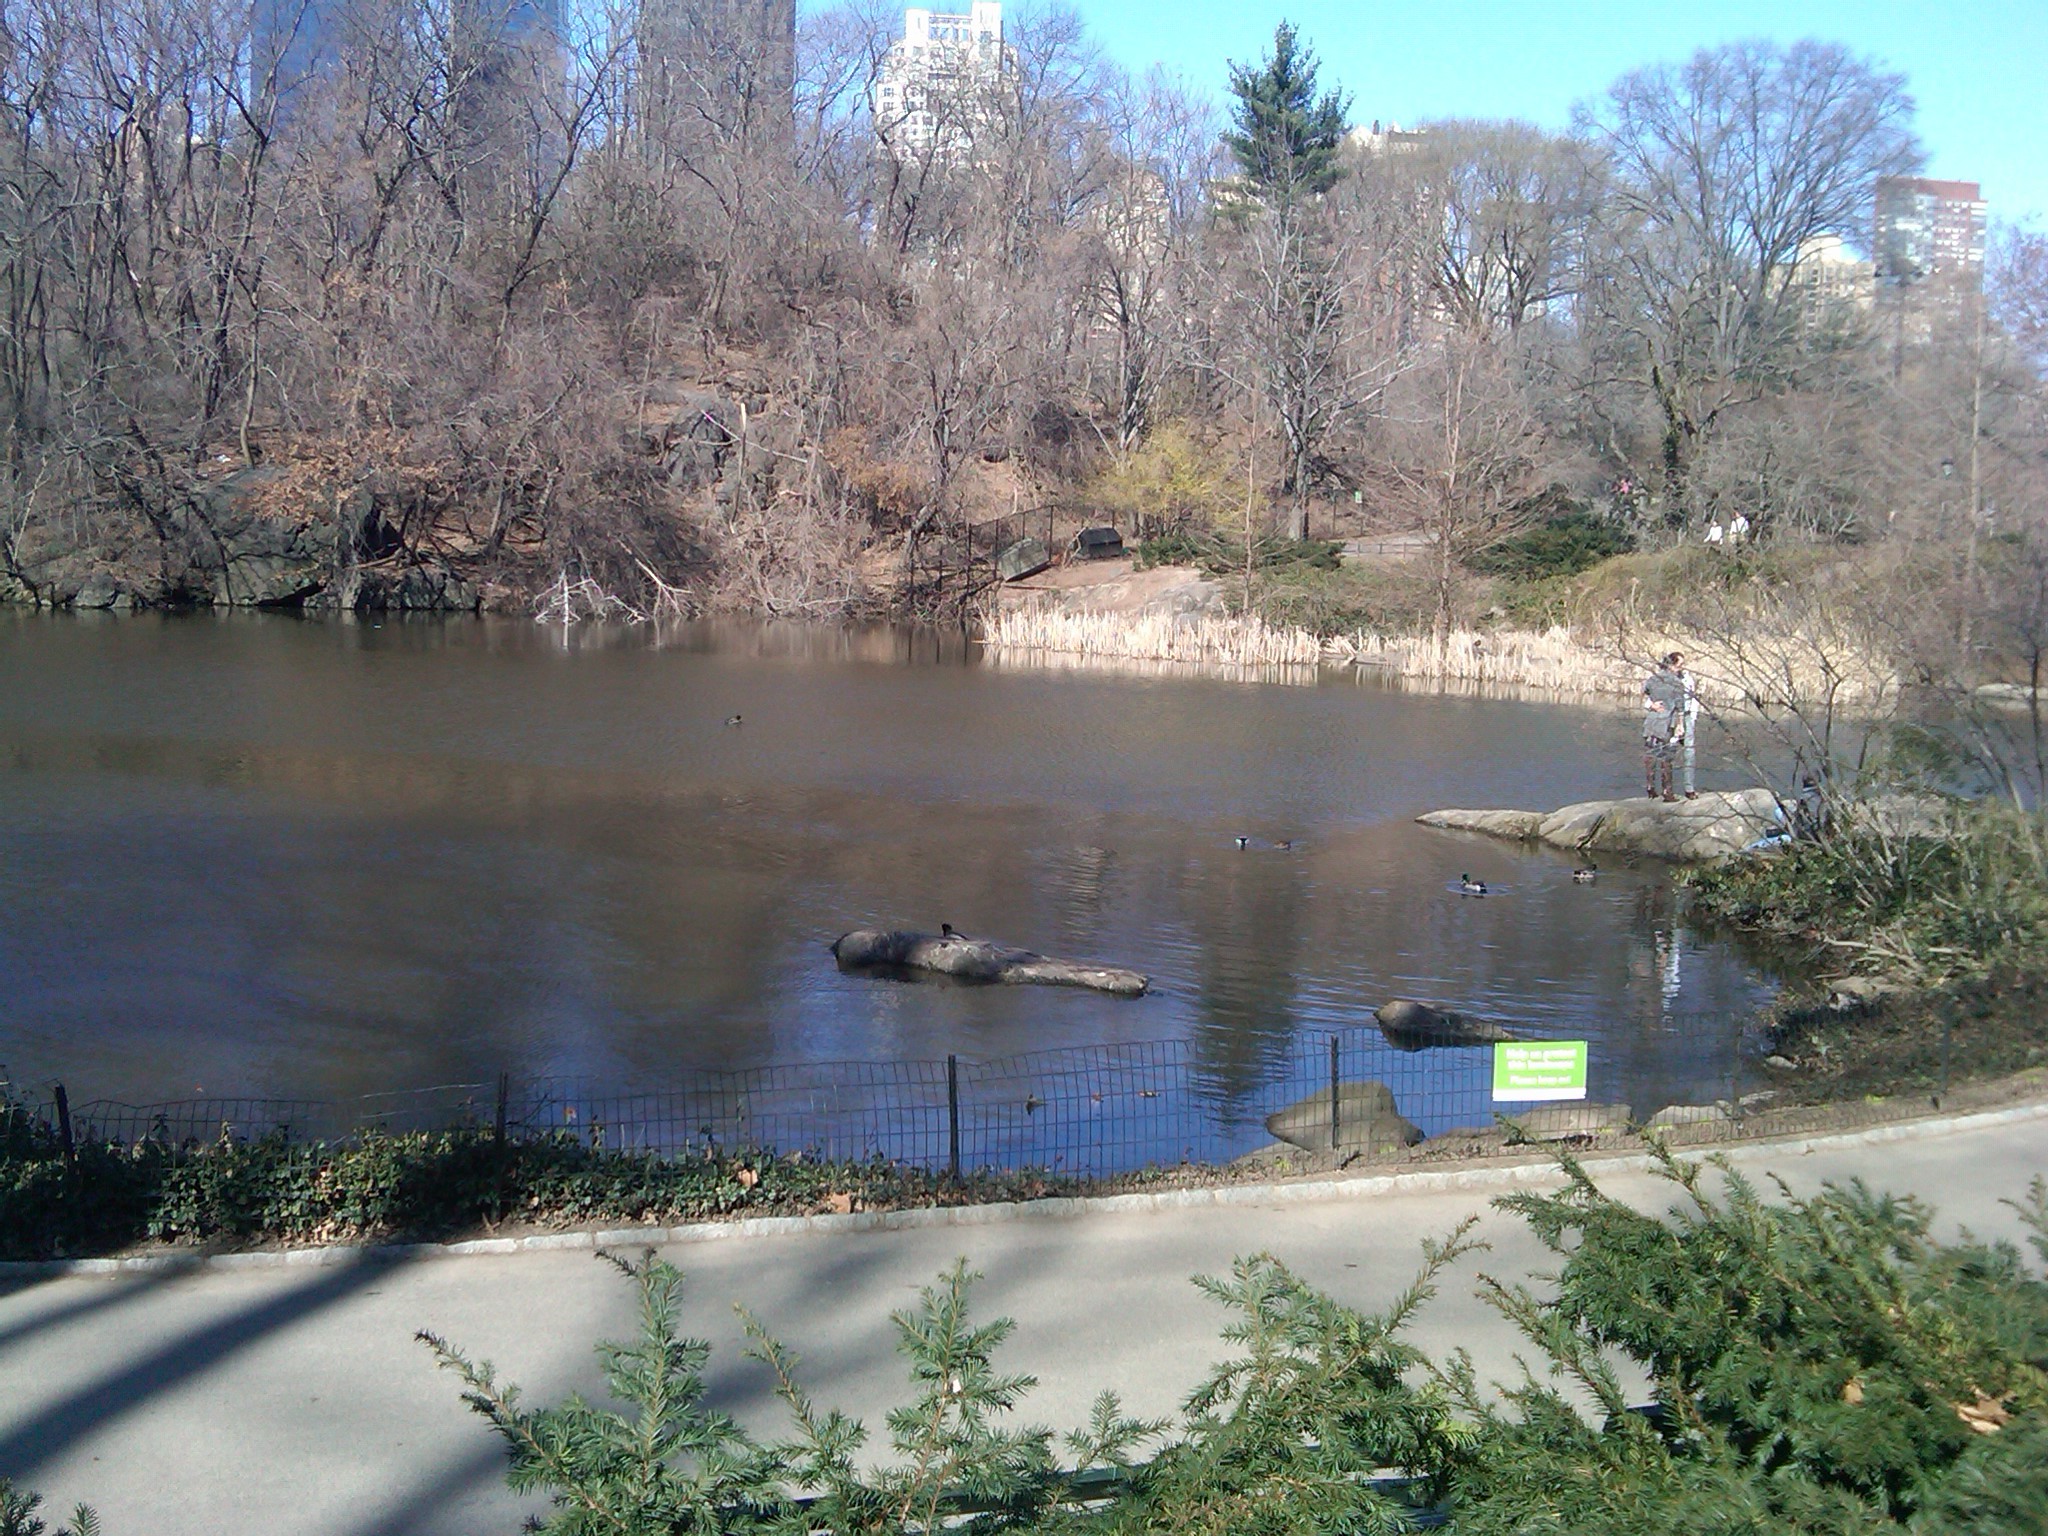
x,y
1285,136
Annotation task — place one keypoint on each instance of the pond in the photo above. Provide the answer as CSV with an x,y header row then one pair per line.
x,y
251,854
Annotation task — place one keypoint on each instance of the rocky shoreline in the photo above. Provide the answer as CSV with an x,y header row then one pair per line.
x,y
258,537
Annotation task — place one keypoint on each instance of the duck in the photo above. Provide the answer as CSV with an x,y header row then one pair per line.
x,y
1467,886
948,931
732,720
1587,875
1285,845
1242,843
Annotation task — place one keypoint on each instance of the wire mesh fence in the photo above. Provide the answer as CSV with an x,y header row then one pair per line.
x,y
1086,1112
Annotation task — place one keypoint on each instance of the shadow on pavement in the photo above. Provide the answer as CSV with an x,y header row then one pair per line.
x,y
102,1296
116,1394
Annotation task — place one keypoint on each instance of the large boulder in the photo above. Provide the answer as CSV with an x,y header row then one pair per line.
x,y
1367,1121
100,590
1713,826
1412,1026
260,541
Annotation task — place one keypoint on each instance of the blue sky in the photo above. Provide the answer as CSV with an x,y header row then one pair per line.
x,y
1978,68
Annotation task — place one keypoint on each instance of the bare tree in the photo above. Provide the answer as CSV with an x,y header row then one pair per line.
x,y
1510,205
1718,172
1461,450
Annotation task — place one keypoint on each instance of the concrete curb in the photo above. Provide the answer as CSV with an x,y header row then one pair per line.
x,y
1065,1208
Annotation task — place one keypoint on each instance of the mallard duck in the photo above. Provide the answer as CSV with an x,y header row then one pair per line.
x,y
1243,843
1587,875
1467,886
732,720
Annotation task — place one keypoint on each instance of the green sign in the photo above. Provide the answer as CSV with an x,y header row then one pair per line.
x,y
1531,1072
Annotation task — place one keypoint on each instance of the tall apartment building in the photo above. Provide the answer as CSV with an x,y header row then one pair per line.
x,y
1927,228
725,57
292,39
940,82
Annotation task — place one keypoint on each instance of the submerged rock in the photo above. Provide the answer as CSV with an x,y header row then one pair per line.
x,y
1412,1026
975,960
1367,1119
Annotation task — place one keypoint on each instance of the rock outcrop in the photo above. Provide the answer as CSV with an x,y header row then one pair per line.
x,y
1717,824
1412,1026
975,960
264,536
1367,1120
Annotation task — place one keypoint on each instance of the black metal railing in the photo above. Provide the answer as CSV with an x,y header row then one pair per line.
x,y
1086,1111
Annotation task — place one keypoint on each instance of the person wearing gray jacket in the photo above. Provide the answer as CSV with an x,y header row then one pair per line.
x,y
1663,725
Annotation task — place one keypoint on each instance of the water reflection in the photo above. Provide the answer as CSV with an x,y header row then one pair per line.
x,y
271,855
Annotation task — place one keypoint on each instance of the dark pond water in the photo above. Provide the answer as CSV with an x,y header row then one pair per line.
x,y
261,855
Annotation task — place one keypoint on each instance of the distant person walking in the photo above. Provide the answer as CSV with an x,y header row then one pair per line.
x,y
1688,730
1738,528
1663,719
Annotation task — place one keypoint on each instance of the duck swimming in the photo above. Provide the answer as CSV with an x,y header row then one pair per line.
x,y
732,719
1587,875
1243,843
1467,886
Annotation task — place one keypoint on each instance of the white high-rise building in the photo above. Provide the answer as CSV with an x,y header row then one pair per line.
x,y
1829,277
941,81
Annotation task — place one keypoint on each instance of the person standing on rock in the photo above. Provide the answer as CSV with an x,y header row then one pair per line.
x,y
1688,728
1663,718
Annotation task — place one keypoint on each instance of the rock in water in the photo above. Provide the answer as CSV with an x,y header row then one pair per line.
x,y
1411,1026
1716,825
1367,1121
975,960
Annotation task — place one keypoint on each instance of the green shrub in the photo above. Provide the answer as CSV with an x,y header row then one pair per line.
x,y
1220,555
1819,1367
1560,546
425,1184
1961,904
1347,599
19,1517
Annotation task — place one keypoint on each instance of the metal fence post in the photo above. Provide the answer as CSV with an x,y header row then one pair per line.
x,y
504,1097
953,1115
1334,1099
64,1125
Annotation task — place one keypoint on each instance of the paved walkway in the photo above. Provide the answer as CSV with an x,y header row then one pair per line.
x,y
294,1399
